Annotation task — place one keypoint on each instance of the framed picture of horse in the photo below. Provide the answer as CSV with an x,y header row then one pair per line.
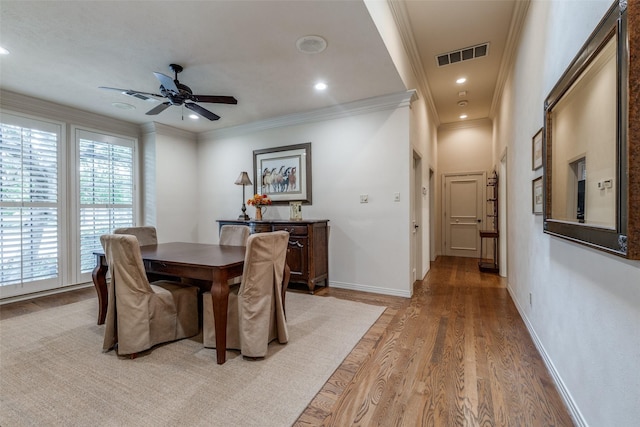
x,y
283,173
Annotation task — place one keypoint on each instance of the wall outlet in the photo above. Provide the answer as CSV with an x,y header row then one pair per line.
x,y
364,198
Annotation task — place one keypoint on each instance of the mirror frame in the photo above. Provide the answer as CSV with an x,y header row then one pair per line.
x,y
624,239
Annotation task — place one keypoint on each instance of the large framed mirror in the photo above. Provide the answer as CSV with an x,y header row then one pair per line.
x,y
591,170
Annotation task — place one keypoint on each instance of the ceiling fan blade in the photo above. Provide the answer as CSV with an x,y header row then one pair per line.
x,y
215,99
202,111
167,82
145,96
158,109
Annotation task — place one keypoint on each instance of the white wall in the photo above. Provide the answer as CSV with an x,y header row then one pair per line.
x,y
585,311
171,186
366,153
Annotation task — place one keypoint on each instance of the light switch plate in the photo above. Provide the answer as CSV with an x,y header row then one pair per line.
x,y
364,198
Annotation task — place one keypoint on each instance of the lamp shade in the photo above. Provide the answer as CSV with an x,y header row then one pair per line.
x,y
243,179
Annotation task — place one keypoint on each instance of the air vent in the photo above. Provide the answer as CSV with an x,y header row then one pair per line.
x,y
465,54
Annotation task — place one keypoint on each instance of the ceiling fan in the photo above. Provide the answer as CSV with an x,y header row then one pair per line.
x,y
177,94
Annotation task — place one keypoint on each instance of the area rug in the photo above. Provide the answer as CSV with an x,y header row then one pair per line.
x,y
53,371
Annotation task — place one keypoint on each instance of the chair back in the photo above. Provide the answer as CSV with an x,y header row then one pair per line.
x,y
234,235
128,290
146,235
261,310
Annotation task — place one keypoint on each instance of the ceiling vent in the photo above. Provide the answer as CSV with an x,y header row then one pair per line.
x,y
465,54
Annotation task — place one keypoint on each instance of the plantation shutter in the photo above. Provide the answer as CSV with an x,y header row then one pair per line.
x,y
29,202
106,185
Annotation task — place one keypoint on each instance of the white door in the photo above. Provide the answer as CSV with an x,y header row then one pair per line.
x,y
463,214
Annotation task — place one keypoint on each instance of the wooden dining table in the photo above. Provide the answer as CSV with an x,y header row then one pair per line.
x,y
214,264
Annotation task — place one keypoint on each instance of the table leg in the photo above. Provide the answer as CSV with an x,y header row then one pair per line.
x,y
99,276
220,298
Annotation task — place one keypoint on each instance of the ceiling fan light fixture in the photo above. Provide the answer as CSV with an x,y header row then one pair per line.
x,y
311,44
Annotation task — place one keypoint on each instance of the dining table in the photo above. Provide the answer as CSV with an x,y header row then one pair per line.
x,y
209,265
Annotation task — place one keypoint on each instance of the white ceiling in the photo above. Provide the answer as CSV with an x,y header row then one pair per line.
x,y
62,51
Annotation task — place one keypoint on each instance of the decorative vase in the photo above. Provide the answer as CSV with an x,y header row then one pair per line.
x,y
258,213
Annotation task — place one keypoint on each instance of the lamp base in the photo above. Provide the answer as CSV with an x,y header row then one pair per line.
x,y
244,217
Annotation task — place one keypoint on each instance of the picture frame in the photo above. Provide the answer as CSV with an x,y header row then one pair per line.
x,y
536,150
283,173
537,196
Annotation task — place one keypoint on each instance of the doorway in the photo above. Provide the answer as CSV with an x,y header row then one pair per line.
x,y
416,219
463,213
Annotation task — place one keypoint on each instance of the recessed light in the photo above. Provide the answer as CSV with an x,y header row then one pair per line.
x,y
194,116
463,116
320,86
461,80
123,106
3,51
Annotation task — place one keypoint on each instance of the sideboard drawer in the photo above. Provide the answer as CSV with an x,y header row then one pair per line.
x,y
294,230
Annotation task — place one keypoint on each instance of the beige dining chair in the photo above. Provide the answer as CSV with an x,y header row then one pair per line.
x,y
142,314
234,235
146,235
255,314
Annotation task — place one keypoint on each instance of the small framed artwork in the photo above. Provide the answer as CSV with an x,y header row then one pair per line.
x,y
536,153
283,173
537,196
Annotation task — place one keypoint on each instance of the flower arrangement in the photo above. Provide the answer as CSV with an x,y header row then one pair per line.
x,y
259,200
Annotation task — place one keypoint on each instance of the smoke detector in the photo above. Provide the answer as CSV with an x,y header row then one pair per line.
x,y
463,103
311,44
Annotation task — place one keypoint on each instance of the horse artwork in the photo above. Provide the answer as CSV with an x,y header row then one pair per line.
x,y
282,173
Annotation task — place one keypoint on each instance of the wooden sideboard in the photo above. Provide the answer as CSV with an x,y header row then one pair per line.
x,y
308,254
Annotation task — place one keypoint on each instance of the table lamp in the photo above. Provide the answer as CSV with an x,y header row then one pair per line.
x,y
243,180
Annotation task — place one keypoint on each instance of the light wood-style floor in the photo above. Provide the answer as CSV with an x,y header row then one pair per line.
x,y
456,354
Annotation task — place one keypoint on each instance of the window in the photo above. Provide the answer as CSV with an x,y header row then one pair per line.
x,y
30,206
106,190
58,194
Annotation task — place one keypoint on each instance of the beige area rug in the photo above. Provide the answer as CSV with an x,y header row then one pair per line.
x,y
53,372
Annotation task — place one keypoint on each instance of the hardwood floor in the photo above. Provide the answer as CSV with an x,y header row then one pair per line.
x,y
456,354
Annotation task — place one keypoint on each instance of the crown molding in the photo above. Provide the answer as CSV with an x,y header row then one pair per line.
x,y
508,58
403,24
159,128
62,113
364,106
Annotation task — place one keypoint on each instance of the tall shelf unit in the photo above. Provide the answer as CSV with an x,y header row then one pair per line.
x,y
489,238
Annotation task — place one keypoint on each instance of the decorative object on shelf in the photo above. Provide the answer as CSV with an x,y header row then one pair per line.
x,y
536,150
295,209
537,196
259,201
284,173
243,180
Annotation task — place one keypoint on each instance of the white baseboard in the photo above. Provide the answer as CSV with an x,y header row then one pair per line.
x,y
372,289
44,293
574,411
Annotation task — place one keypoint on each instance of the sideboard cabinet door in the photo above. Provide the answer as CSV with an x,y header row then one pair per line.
x,y
308,254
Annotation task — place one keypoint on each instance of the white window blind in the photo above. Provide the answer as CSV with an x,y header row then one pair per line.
x,y
106,186
29,203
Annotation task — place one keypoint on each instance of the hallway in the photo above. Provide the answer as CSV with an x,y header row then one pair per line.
x,y
456,354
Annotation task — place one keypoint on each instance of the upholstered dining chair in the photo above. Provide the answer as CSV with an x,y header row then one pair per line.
x,y
255,314
146,235
142,314
234,235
